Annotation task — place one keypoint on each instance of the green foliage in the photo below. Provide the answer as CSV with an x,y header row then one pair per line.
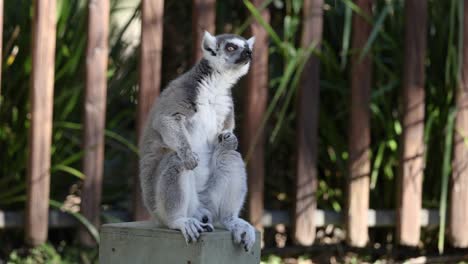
x,y
271,259
50,254
66,174
68,95
386,47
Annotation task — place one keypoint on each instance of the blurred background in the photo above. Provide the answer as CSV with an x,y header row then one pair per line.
x,y
383,47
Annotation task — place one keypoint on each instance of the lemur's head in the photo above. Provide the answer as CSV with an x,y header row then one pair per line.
x,y
228,52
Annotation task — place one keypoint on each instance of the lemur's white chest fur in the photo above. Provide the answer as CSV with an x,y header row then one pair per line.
x,y
214,103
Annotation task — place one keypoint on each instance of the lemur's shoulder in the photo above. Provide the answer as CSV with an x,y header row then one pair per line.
x,y
181,94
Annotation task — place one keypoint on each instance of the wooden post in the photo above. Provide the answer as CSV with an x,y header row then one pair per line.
x,y
203,18
256,94
94,113
307,133
359,136
412,153
143,243
150,79
40,133
458,220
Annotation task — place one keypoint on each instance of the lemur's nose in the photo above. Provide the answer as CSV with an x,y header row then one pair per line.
x,y
248,52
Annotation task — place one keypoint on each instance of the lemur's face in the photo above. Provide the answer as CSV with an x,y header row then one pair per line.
x,y
227,51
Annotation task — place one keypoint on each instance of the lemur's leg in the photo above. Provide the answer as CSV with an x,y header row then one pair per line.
x,y
174,135
227,190
176,195
205,214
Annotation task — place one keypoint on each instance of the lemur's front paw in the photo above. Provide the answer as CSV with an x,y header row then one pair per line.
x,y
191,228
190,159
228,140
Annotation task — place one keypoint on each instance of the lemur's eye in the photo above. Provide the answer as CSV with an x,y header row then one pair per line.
x,y
231,47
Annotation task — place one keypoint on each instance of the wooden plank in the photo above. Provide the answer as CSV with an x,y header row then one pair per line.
x,y
412,153
256,95
150,79
359,136
307,133
203,18
143,243
94,113
40,133
458,220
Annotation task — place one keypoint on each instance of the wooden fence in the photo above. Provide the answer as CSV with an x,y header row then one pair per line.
x,y
408,217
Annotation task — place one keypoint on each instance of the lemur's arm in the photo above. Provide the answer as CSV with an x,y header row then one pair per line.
x,y
229,123
175,136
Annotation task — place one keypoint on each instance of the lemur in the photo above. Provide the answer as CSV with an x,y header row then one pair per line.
x,y
191,175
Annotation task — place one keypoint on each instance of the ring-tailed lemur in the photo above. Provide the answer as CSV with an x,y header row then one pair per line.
x,y
191,174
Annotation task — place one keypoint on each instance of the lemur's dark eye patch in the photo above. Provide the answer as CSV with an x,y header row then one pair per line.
x,y
231,47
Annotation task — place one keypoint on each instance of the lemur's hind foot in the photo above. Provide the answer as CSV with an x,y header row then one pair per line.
x,y
204,215
242,232
191,228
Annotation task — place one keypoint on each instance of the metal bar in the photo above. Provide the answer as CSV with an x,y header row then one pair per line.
x,y
376,218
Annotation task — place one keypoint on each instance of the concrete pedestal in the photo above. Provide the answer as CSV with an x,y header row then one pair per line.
x,y
142,242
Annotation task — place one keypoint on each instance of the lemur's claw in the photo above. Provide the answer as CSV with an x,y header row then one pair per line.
x,y
190,228
208,228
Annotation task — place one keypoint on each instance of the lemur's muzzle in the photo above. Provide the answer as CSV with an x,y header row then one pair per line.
x,y
245,56
247,53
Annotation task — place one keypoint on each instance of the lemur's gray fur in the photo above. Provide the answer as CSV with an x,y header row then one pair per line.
x,y
191,174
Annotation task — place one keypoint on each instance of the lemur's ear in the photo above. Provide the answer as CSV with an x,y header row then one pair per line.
x,y
251,42
209,43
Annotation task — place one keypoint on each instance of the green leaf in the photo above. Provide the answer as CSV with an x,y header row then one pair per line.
x,y
357,10
271,32
346,36
293,88
375,30
290,69
446,169
69,170
107,133
377,165
296,6
90,227
12,191
249,20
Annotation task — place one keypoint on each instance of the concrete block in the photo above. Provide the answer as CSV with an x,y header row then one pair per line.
x,y
143,242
